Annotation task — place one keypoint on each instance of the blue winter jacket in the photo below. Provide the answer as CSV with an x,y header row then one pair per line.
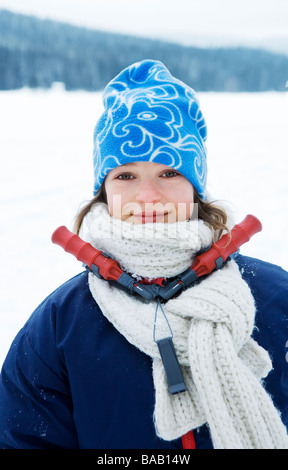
x,y
71,380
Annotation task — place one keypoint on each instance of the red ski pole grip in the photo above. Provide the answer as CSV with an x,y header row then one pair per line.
x,y
85,252
228,244
73,244
61,236
240,234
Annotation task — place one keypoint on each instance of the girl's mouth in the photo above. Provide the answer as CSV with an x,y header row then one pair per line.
x,y
146,217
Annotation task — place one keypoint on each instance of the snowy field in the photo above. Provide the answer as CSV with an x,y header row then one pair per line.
x,y
46,173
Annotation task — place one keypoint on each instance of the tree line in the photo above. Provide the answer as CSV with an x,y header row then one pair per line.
x,y
36,53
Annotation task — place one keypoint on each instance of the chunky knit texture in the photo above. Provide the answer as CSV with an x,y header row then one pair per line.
x,y
212,324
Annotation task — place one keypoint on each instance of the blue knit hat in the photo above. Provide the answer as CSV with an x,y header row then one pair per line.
x,y
150,116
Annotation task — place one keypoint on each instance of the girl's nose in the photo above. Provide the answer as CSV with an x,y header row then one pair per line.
x,y
148,191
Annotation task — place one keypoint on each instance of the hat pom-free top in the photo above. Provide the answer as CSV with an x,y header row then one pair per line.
x,y
150,116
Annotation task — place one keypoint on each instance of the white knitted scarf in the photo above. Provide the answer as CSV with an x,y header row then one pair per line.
x,y
211,323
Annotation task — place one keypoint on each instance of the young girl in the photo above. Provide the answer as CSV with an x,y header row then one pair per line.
x,y
88,368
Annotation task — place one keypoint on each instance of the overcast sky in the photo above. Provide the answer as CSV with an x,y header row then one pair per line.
x,y
154,18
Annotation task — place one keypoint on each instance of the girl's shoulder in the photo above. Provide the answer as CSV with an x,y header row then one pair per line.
x,y
262,274
269,286
56,322
72,295
268,283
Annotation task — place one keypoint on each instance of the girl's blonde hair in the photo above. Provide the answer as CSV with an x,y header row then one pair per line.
x,y
209,212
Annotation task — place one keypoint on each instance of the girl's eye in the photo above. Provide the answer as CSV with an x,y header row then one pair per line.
x,y
124,176
170,173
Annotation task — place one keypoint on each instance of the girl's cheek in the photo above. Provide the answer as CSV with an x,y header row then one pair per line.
x,y
115,205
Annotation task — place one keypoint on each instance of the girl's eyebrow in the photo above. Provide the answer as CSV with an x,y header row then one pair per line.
x,y
128,164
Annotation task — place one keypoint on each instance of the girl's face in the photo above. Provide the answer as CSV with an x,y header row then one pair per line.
x,y
142,192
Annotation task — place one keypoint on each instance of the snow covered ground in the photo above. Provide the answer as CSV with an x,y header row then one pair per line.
x,y
46,173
